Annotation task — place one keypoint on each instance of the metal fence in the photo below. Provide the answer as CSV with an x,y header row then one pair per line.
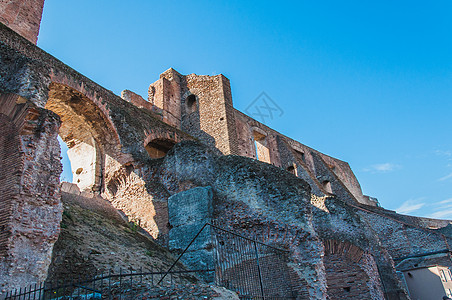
x,y
252,269
122,286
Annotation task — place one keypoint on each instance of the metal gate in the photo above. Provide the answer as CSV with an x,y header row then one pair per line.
x,y
253,269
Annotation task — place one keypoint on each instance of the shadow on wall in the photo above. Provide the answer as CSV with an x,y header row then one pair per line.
x,y
191,122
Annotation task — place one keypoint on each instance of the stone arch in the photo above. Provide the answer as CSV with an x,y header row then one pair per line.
x,y
87,132
346,270
158,143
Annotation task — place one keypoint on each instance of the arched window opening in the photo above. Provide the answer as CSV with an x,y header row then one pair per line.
x,y
344,272
191,103
159,147
82,142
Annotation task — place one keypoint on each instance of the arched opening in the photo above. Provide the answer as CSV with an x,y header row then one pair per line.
x,y
158,148
345,276
191,103
86,134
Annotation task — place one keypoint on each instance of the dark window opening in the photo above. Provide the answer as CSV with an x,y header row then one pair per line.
x,y
112,187
292,169
191,103
159,147
347,289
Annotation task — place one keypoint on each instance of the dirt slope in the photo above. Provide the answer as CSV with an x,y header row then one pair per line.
x,y
96,240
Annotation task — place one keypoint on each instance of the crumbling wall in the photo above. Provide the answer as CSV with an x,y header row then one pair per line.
x,y
268,204
324,173
31,208
117,128
256,200
402,239
336,220
350,272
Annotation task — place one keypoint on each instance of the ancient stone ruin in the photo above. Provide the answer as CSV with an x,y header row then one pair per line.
x,y
179,159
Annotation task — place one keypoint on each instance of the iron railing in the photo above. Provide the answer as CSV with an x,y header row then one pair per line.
x,y
253,269
123,286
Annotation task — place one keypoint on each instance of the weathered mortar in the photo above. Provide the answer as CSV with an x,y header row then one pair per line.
x,y
271,205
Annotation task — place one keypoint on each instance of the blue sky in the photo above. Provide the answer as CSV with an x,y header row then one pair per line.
x,y
366,82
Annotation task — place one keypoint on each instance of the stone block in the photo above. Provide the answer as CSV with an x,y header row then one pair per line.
x,y
188,212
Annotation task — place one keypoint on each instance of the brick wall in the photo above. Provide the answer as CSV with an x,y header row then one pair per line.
x,y
198,104
9,181
32,194
350,273
23,16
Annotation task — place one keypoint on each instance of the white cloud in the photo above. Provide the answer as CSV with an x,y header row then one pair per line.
x,y
443,209
382,168
445,201
442,214
410,206
445,177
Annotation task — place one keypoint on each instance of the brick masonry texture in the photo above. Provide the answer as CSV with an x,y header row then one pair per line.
x,y
184,154
23,16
